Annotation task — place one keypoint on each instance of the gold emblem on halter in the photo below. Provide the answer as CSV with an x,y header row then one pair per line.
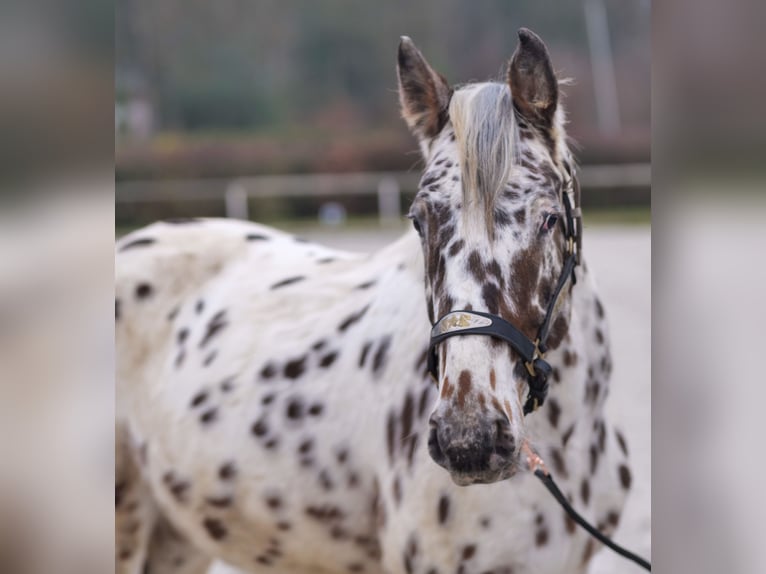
x,y
456,321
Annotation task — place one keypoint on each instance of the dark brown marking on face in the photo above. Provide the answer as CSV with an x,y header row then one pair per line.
x,y
464,385
381,355
353,318
520,216
271,444
525,271
215,528
199,307
476,266
143,291
227,471
325,260
288,281
625,476
284,526
554,412
621,442
455,248
445,305
214,326
117,309
256,237
491,295
492,379
328,359
447,389
585,491
295,367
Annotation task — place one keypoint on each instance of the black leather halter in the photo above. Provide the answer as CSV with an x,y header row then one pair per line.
x,y
532,353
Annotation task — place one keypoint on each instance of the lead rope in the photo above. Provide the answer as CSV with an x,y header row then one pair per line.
x,y
537,465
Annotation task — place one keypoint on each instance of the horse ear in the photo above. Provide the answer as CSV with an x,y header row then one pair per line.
x,y
533,84
423,93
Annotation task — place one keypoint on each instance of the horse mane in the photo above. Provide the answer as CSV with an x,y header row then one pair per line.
x,y
486,133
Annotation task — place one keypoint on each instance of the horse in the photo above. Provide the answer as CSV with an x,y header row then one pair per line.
x,y
276,407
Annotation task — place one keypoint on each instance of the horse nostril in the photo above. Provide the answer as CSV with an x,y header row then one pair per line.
x,y
505,444
434,448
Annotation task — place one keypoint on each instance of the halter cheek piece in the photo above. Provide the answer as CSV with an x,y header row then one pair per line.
x,y
532,353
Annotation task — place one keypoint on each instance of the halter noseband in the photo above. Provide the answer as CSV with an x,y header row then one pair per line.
x,y
532,352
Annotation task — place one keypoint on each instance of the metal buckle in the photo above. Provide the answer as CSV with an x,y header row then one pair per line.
x,y
570,244
531,364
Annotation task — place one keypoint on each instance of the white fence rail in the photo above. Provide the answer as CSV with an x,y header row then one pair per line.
x,y
388,186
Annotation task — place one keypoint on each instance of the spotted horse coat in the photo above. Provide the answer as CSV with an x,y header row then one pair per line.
x,y
274,408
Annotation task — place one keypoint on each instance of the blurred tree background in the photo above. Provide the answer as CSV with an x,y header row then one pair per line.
x,y
238,87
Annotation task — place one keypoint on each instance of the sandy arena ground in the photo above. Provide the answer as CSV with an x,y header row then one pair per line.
x,y
621,259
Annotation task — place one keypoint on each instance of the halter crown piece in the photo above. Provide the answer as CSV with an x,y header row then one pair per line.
x,y
538,369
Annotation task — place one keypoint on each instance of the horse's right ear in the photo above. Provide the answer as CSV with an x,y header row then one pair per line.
x,y
424,94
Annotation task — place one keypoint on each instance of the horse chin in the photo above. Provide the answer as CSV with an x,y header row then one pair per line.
x,y
487,477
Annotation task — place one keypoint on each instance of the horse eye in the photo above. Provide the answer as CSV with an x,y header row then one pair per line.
x,y
550,221
416,225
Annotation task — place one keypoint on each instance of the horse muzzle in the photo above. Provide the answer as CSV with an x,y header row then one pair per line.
x,y
478,453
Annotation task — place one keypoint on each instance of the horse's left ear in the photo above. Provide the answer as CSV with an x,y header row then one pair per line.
x,y
533,84
423,93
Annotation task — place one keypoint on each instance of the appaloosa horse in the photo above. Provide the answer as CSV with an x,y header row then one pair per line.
x,y
275,409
